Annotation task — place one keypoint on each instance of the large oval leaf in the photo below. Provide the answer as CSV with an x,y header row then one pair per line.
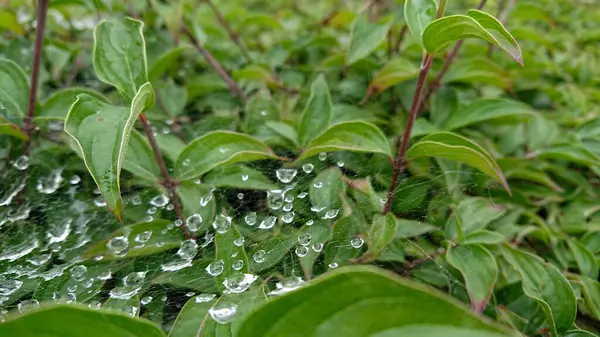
x,y
354,136
101,132
120,55
418,14
218,148
317,112
452,146
75,321
486,110
358,301
441,32
14,91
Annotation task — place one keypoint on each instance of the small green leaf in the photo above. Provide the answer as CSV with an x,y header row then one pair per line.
x,y
436,331
120,55
276,248
354,136
418,14
170,240
173,99
284,130
13,130
477,70
443,106
409,228
339,250
197,199
365,37
358,301
320,234
441,32
189,321
14,91
395,71
170,145
452,146
479,269
570,152
382,232
219,148
484,237
485,110
230,253
327,190
139,159
317,112
546,285
193,277
164,62
260,109
57,105
102,133
238,176
591,293
76,321
586,261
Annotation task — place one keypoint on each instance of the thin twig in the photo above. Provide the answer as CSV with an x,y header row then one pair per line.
x,y
168,184
405,138
234,36
401,36
35,72
233,87
434,85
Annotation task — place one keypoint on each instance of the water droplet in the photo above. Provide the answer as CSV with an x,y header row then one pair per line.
x,y
251,218
40,259
59,232
287,217
203,298
310,222
187,162
118,245
143,236
234,254
301,251
136,200
239,241
286,285
146,300
135,279
51,183
22,163
302,195
170,207
308,168
160,201
340,164
223,312
99,202
322,156
288,207
19,250
74,180
222,223
332,213
333,265
197,181
78,273
260,256
215,268
176,264
237,264
239,282
188,249
152,210
263,113
190,294
95,305
194,222
9,286
318,184
304,239
268,222
28,305
205,199
275,199
357,242
317,247
244,177
104,275
286,175
240,196
72,288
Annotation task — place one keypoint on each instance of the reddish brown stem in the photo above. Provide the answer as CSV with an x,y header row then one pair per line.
x,y
35,72
398,166
169,185
434,85
233,87
235,37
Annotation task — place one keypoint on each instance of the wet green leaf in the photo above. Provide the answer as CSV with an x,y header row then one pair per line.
x,y
238,176
317,112
418,14
14,91
382,232
57,105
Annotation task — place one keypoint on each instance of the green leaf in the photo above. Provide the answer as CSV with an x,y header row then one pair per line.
x,y
395,71
570,152
101,132
276,248
452,146
477,213
164,62
139,159
120,55
412,192
354,136
194,277
170,145
444,105
484,237
382,232
591,293
13,130
418,14
339,250
57,105
409,228
327,190
168,240
441,32
238,176
14,91
76,321
577,333
284,130
436,331
317,112
479,269
586,261
219,148
9,21
365,37
320,234
197,199
230,253
171,99
546,285
485,110
476,71
260,109
355,302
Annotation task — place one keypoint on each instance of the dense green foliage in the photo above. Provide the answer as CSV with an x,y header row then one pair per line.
x,y
299,168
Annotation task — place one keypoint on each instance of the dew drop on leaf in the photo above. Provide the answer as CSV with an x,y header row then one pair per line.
x,y
286,175
223,312
118,245
356,242
268,222
308,168
222,223
194,222
260,256
317,247
79,272
28,305
301,251
275,199
22,163
322,156
287,217
188,249
146,300
203,298
251,218
304,239
215,268
160,201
